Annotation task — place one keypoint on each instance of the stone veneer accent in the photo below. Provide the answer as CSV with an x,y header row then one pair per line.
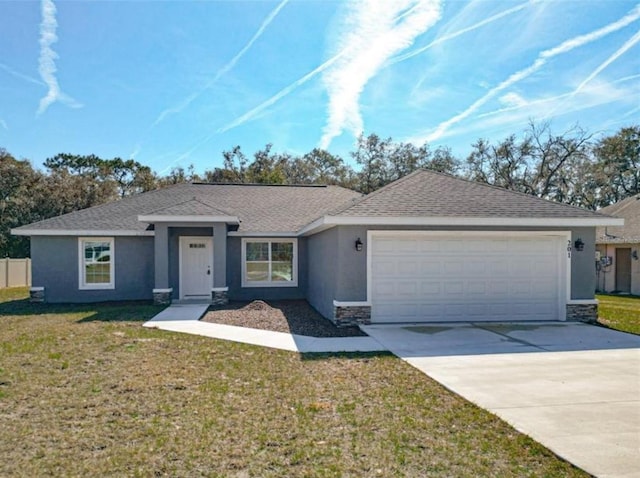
x,y
162,296
349,315
36,294
220,296
583,312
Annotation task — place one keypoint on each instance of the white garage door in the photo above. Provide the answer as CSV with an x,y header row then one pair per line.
x,y
434,278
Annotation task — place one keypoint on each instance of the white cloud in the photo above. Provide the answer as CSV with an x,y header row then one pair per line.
x,y
281,94
542,59
22,76
617,54
46,62
594,95
3,123
513,99
252,113
457,33
370,33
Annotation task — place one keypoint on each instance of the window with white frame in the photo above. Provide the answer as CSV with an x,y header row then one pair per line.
x,y
96,262
269,262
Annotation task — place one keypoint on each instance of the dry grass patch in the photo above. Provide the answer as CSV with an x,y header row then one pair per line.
x,y
85,393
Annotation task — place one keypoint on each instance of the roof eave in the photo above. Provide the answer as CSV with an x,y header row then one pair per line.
x,y
260,234
80,232
327,222
154,218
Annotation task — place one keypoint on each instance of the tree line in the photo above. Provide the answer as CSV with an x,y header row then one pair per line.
x,y
573,167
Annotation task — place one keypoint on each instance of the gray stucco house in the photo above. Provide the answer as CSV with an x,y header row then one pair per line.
x,y
618,248
428,247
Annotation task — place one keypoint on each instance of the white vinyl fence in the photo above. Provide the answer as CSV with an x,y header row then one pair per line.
x,y
15,273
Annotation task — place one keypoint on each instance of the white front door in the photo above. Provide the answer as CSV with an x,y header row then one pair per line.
x,y
196,267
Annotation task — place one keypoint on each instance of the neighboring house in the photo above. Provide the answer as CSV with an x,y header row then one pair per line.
x,y
618,269
428,247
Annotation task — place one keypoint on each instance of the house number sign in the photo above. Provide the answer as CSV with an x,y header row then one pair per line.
x,y
569,248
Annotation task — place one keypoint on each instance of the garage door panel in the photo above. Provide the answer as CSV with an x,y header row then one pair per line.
x,y
430,287
453,289
497,287
402,312
430,266
474,268
455,266
498,269
409,268
460,279
476,288
454,311
430,311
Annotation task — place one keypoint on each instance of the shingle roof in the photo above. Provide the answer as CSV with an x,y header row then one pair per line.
x,y
430,194
260,208
192,207
287,209
629,210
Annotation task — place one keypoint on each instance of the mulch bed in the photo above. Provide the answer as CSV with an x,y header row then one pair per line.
x,y
290,316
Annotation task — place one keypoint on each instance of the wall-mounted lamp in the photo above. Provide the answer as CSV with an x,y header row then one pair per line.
x,y
358,244
578,245
634,254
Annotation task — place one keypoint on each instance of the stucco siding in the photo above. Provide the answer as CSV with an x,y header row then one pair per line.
x,y
234,276
323,261
583,264
55,267
352,267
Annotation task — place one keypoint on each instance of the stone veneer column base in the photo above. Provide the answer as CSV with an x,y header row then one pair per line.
x,y
36,294
220,296
347,314
162,296
583,312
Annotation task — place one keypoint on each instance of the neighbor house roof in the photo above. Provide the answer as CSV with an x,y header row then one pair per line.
x,y
629,210
435,199
256,208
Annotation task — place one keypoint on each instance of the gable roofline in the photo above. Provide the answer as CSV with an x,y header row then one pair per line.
x,y
629,209
364,197
213,214
216,210
400,181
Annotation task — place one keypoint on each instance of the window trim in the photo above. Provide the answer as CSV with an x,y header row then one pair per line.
x,y
82,284
270,283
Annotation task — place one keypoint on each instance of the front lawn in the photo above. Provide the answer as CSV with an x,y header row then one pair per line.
x,y
85,390
620,312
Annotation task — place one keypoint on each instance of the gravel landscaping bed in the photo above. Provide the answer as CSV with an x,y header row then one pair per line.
x,y
290,316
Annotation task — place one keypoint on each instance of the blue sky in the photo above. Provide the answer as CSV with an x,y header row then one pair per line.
x,y
175,83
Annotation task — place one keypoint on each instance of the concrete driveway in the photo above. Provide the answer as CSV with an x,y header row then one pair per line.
x,y
573,387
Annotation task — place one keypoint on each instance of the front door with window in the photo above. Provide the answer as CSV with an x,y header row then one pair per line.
x,y
196,267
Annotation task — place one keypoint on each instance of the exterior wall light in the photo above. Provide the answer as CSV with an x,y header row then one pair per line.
x,y
579,245
634,254
358,245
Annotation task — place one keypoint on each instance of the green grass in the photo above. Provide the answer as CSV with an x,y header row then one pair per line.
x,y
85,390
620,312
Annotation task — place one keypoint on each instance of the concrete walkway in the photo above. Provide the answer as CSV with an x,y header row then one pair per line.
x,y
185,318
573,387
